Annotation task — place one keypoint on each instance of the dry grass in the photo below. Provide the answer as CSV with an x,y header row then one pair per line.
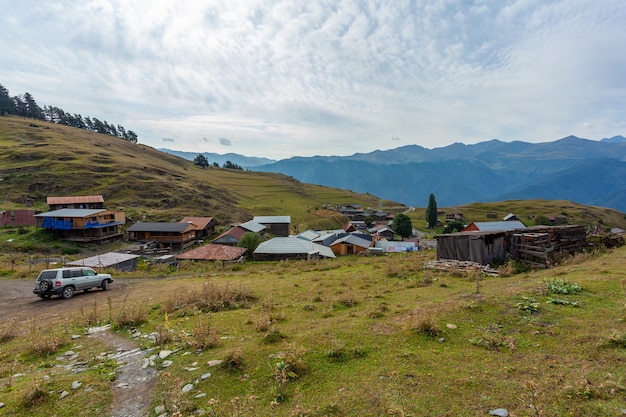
x,y
209,298
411,348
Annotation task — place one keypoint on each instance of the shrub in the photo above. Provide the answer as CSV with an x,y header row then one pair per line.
x,y
233,362
205,335
527,305
8,330
559,286
424,323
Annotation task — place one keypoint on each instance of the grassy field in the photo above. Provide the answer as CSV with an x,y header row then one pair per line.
x,y
357,336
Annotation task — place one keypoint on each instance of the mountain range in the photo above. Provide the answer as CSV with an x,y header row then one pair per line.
x,y
581,170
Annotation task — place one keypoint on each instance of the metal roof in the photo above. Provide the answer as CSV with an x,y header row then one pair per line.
x,y
104,260
272,219
292,245
198,223
308,235
75,199
71,213
352,240
253,226
213,252
159,227
499,226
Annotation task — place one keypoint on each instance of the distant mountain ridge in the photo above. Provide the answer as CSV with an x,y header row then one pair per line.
x,y
241,160
581,170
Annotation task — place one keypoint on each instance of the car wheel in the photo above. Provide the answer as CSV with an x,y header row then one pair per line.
x,y
45,285
105,285
68,292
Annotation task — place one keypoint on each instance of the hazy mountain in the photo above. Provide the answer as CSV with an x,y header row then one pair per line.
x,y
572,168
243,161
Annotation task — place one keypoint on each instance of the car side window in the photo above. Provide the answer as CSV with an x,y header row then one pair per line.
x,y
66,273
88,273
76,273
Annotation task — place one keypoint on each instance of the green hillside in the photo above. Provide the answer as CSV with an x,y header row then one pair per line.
x,y
39,159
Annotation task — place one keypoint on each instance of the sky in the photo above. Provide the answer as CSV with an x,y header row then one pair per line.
x,y
277,79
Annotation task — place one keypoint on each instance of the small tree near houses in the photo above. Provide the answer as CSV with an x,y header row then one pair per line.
x,y
402,225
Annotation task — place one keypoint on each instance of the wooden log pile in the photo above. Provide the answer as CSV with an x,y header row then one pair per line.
x,y
452,265
540,245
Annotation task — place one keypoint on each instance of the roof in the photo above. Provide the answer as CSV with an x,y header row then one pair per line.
x,y
198,223
75,199
71,213
213,252
272,219
352,240
308,235
159,227
252,226
499,226
509,216
234,233
292,245
104,260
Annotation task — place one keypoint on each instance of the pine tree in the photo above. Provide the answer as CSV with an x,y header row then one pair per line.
x,y
431,212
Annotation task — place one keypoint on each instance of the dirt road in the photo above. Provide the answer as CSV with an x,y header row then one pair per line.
x,y
17,300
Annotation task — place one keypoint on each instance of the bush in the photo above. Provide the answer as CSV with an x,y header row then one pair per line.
x,y
527,305
559,286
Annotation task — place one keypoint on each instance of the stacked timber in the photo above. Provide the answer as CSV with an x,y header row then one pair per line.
x,y
539,246
452,265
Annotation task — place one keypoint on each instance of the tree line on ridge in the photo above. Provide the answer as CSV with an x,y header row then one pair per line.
x,y
25,105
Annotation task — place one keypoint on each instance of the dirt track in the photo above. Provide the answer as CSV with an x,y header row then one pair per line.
x,y
17,300
133,388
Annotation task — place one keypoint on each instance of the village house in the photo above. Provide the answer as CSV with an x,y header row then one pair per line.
x,y
494,226
203,226
83,225
451,217
233,235
276,225
350,245
175,236
18,217
109,260
76,202
284,248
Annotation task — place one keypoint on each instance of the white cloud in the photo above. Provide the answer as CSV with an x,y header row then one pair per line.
x,y
283,78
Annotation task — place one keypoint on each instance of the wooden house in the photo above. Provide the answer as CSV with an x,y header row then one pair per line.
x,y
290,248
350,245
83,225
18,217
233,235
76,202
166,235
109,260
204,226
494,226
276,225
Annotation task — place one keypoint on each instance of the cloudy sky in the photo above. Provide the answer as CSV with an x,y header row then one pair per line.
x,y
304,77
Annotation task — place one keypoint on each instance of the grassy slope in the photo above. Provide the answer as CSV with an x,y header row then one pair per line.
x,y
526,210
40,159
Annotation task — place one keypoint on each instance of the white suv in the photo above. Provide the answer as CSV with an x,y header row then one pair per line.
x,y
66,281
